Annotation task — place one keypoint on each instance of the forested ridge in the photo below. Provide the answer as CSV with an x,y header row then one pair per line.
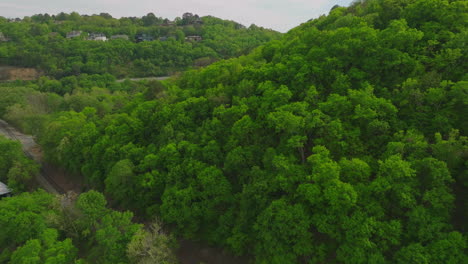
x,y
345,141
42,41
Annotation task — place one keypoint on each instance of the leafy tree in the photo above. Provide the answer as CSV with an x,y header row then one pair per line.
x,y
283,234
151,246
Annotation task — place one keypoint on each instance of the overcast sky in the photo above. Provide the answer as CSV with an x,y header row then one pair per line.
x,y
276,14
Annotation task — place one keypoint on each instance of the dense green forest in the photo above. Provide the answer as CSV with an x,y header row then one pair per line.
x,y
38,227
40,41
345,141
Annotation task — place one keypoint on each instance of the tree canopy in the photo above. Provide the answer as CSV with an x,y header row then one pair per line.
x,y
345,141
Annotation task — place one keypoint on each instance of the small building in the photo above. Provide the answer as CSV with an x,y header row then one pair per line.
x,y
124,37
143,37
4,191
193,38
97,37
74,34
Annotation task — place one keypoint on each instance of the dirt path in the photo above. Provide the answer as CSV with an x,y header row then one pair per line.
x,y
33,151
12,73
191,252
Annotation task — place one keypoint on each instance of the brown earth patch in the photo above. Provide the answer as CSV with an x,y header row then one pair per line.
x,y
10,73
195,253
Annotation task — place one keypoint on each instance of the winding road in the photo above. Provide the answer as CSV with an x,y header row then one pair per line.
x,y
162,78
32,150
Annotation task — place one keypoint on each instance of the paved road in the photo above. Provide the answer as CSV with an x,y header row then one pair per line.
x,y
162,78
32,150
146,78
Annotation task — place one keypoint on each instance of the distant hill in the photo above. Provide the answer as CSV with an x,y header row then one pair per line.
x,y
71,44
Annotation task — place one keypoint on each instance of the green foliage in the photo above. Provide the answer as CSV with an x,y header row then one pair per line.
x,y
345,141
282,233
119,181
16,170
40,228
150,246
47,249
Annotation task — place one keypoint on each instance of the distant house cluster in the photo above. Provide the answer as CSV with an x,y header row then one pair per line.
x,y
193,38
74,34
97,37
143,37
12,20
124,37
187,19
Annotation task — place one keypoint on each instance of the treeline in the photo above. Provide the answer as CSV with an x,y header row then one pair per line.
x,y
345,141
40,41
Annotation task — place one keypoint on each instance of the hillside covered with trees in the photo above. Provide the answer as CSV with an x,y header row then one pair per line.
x,y
46,42
345,141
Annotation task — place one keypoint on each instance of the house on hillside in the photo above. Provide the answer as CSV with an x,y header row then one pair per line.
x,y
97,37
143,37
196,20
74,34
4,191
193,38
168,23
124,37
13,20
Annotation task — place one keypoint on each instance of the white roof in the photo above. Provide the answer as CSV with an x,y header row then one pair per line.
x,y
4,189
